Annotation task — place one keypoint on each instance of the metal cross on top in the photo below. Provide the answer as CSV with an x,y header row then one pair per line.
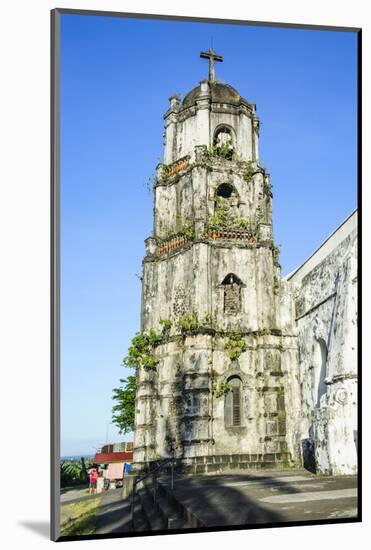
x,y
211,56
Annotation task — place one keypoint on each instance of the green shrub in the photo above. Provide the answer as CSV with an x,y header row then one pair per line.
x,y
276,253
187,229
207,320
267,187
235,345
166,326
140,353
224,151
225,218
250,171
263,332
222,388
188,322
243,223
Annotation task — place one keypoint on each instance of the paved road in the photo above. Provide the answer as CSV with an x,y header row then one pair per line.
x,y
73,493
268,497
78,496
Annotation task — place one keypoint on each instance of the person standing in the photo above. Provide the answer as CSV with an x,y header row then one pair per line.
x,y
93,476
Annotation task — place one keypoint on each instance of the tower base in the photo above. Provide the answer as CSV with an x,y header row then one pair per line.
x,y
221,463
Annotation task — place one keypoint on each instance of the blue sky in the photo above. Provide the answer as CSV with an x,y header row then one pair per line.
x,y
116,77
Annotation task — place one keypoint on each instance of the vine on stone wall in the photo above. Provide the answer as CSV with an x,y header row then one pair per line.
x,y
224,217
243,223
207,321
235,345
187,229
224,151
249,171
151,182
267,187
187,323
141,351
221,389
262,332
219,219
276,253
252,168
166,326
190,322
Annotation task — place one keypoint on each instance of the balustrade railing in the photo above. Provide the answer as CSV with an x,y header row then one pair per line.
x,y
176,167
177,241
171,244
221,233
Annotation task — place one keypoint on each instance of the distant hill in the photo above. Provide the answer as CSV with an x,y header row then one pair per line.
x,y
77,457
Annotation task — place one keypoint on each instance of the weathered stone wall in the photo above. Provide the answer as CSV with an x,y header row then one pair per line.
x,y
192,195
229,278
185,407
196,125
180,413
326,314
190,280
240,120
178,410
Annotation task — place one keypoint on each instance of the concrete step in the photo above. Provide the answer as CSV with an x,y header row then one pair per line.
x,y
161,511
140,522
171,512
187,518
154,520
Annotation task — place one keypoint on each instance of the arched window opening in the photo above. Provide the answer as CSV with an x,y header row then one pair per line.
x,y
232,294
226,205
225,190
223,143
233,402
319,371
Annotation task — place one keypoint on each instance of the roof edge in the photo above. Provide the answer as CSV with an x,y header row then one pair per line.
x,y
292,273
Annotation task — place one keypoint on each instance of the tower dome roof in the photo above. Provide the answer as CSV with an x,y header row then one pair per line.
x,y
220,93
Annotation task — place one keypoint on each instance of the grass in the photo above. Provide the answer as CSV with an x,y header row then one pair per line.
x,y
79,518
73,488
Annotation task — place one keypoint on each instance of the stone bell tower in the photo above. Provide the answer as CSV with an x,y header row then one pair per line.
x,y
222,383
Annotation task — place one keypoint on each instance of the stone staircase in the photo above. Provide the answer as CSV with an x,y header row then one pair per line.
x,y
157,507
159,510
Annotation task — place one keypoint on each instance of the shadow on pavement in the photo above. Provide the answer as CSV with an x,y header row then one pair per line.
x,y
114,515
219,505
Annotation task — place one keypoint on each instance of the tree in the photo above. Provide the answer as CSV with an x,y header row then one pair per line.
x,y
74,472
123,412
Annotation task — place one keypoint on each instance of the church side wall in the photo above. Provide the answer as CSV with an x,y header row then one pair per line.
x,y
285,304
327,320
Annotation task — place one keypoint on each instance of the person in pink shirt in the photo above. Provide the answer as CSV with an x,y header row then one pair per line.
x,y
93,476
